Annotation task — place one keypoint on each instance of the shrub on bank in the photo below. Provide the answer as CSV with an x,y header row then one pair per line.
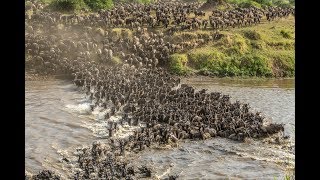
x,y
72,5
282,3
210,59
233,44
177,64
253,51
99,4
67,5
245,3
263,3
218,63
248,4
255,65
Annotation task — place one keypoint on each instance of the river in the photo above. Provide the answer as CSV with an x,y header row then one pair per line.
x,y
58,121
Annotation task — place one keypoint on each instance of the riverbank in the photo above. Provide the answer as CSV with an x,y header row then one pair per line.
x,y
144,98
266,49
263,50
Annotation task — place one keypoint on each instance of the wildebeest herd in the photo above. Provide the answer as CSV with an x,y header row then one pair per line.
x,y
163,13
139,88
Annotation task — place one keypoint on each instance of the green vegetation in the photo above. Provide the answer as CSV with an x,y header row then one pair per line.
x,y
67,5
245,3
99,4
190,36
264,50
263,3
178,64
283,3
93,5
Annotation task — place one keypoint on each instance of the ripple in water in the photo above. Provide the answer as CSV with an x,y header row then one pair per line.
x,y
59,120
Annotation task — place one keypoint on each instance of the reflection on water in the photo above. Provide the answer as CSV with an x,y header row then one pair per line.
x,y
57,122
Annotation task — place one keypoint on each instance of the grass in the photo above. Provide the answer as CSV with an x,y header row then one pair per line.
x,y
70,6
262,3
190,36
264,50
66,5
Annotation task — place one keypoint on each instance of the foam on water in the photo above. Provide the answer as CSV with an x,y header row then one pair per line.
x,y
66,114
97,123
126,130
83,108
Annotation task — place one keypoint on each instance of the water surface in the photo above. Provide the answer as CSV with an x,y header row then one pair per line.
x,y
58,121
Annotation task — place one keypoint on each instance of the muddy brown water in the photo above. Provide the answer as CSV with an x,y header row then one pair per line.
x,y
58,121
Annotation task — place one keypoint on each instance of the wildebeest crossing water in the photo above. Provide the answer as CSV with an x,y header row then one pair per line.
x,y
59,120
125,98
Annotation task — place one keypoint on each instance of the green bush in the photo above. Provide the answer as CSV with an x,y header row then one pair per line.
x,y
249,3
245,3
99,4
292,2
264,2
255,65
66,5
210,59
177,63
234,44
282,3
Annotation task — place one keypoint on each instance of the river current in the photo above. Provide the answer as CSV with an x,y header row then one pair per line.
x,y
58,120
